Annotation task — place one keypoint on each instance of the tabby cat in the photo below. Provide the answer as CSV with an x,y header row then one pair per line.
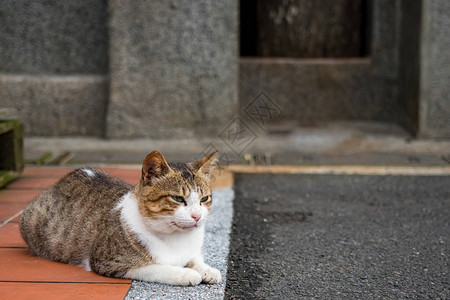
x,y
152,231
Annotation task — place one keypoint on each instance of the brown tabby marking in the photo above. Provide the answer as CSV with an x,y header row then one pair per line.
x,y
156,198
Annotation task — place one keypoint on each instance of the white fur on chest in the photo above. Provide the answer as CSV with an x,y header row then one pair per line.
x,y
176,249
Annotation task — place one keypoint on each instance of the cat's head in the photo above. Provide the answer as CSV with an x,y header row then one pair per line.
x,y
175,196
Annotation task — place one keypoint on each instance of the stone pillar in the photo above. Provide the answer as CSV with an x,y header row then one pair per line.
x,y
173,68
434,95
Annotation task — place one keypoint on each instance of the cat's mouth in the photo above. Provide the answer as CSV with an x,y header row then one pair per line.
x,y
185,227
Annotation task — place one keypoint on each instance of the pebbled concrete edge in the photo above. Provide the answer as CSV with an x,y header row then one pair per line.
x,y
216,244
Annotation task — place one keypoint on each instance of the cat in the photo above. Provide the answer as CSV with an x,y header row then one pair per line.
x,y
152,231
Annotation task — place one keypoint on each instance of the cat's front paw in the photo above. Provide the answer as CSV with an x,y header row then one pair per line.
x,y
211,275
188,277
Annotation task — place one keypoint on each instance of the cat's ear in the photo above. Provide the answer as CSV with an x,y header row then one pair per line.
x,y
154,166
206,164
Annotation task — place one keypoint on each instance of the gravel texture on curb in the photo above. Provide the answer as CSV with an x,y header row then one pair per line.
x,y
216,245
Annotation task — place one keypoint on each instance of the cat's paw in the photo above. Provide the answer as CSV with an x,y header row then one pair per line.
x,y
188,277
211,275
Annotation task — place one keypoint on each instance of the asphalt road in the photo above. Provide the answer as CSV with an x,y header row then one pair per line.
x,y
305,236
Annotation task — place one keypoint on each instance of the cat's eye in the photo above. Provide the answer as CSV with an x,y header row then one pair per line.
x,y
178,198
204,199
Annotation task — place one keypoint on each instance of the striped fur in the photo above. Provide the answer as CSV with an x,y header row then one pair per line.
x,y
103,224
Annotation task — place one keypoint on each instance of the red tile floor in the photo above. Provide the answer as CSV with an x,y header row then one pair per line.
x,y
23,276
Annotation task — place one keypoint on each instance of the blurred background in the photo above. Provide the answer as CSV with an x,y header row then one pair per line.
x,y
293,78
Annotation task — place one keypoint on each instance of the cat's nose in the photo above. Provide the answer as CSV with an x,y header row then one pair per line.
x,y
195,216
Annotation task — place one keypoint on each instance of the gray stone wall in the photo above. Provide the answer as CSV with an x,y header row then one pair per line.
x,y
120,68
173,67
53,37
318,91
313,91
169,69
57,105
53,65
435,70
